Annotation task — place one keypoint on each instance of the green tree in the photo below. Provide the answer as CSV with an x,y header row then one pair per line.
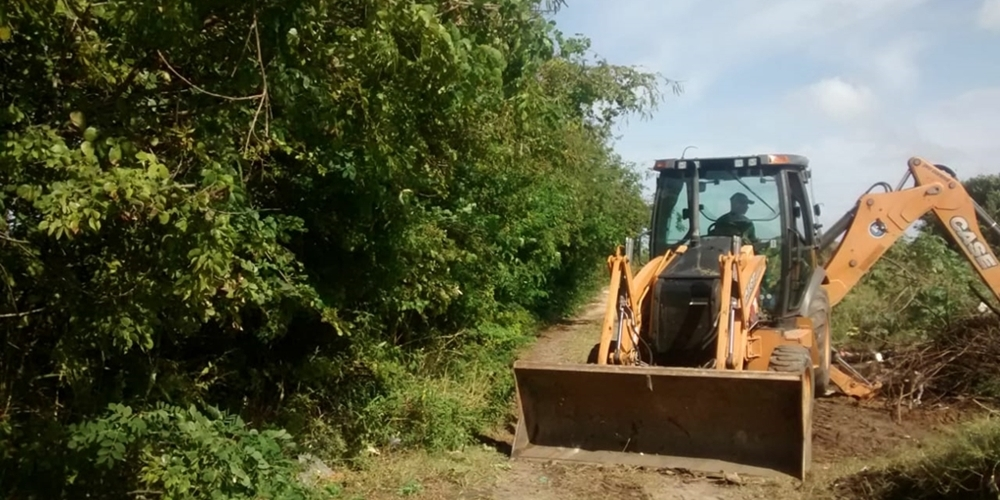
x,y
342,218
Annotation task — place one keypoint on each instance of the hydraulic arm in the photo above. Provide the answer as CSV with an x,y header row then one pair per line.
x,y
879,219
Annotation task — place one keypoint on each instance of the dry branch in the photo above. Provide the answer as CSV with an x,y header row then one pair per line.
x,y
958,363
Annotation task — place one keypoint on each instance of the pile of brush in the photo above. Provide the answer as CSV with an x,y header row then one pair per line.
x,y
959,362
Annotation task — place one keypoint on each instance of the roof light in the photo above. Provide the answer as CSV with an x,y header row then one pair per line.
x,y
663,164
783,159
671,164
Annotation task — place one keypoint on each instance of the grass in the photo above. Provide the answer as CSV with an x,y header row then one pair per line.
x,y
466,473
961,464
449,406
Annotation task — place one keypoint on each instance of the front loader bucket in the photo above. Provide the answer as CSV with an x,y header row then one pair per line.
x,y
750,422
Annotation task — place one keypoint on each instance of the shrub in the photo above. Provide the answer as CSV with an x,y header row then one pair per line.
x,y
918,289
341,218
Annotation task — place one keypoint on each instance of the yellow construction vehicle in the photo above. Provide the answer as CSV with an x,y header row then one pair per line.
x,y
712,354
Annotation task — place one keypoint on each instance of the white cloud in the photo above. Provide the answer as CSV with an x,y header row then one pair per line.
x,y
895,64
959,132
802,21
848,83
693,41
968,126
989,15
836,99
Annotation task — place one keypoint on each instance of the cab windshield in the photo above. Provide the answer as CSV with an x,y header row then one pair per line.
x,y
730,205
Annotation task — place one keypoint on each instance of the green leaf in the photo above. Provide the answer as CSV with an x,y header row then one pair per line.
x,y
77,119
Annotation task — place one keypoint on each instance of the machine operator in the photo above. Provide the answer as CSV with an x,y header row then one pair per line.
x,y
735,222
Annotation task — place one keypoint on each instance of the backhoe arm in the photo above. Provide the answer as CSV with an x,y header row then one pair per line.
x,y
879,219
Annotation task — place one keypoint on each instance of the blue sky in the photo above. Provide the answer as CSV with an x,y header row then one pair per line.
x,y
858,86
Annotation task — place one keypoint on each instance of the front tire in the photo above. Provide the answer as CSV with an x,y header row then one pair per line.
x,y
596,350
788,358
819,314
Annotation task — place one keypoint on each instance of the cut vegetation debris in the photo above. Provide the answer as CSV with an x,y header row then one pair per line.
x,y
956,364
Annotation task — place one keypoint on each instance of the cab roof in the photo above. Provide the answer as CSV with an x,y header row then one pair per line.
x,y
729,162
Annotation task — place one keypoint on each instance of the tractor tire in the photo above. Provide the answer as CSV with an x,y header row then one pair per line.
x,y
790,359
793,359
596,350
819,314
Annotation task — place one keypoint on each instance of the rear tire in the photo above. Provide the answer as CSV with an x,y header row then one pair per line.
x,y
819,314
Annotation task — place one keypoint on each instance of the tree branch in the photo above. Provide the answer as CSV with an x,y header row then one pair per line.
x,y
21,314
203,91
263,92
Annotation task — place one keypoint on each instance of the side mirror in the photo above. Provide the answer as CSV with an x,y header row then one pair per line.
x,y
702,186
796,212
686,213
816,210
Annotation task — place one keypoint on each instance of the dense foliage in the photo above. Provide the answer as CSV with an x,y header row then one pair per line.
x,y
336,217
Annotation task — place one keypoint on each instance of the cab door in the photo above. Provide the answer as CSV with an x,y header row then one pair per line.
x,y
798,255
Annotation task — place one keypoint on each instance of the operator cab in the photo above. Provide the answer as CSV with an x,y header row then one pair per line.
x,y
761,199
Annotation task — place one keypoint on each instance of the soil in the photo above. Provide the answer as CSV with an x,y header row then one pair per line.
x,y
848,436
844,430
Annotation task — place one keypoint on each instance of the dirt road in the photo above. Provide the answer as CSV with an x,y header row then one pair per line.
x,y
847,437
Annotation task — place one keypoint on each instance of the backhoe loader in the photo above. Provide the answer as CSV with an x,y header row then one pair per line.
x,y
710,357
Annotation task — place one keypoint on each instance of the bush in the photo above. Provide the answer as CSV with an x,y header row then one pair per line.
x,y
177,453
340,218
918,289
163,452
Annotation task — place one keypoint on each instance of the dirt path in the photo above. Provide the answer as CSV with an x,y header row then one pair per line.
x,y
848,436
